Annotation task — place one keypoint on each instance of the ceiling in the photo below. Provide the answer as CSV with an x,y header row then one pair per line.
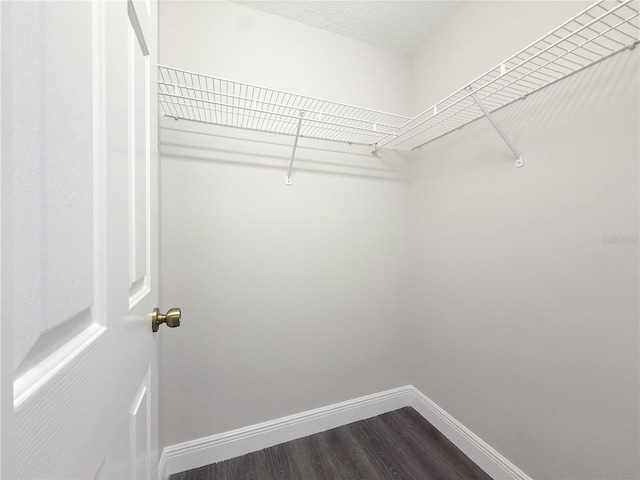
x,y
396,25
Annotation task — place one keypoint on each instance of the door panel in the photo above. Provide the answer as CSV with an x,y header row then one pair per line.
x,y
55,308
140,431
79,239
139,156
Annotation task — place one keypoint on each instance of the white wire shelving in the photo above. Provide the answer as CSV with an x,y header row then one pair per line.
x,y
602,30
193,96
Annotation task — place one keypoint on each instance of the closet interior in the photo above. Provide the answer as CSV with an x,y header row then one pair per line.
x,y
405,249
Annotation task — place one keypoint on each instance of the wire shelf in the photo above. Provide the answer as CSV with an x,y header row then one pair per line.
x,y
192,96
598,32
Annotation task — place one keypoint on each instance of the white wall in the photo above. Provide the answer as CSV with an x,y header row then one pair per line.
x,y
246,45
476,37
525,321
292,296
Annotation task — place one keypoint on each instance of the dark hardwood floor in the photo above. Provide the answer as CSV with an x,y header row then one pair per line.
x,y
395,445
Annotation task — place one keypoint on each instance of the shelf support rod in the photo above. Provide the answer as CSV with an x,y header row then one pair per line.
x,y
295,145
516,152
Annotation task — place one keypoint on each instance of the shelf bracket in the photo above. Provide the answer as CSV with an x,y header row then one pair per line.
x,y
295,145
519,158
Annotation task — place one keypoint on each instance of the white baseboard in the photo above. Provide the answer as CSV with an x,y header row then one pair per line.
x,y
223,446
487,458
203,451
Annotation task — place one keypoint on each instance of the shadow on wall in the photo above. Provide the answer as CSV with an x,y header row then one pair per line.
x,y
573,97
585,91
250,149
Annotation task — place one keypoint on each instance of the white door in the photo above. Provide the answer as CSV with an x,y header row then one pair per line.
x,y
79,239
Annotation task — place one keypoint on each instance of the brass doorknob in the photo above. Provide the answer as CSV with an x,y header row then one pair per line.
x,y
171,318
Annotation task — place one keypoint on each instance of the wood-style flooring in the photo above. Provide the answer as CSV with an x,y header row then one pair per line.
x,y
396,445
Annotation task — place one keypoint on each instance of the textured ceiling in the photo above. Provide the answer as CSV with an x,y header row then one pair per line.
x,y
396,25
